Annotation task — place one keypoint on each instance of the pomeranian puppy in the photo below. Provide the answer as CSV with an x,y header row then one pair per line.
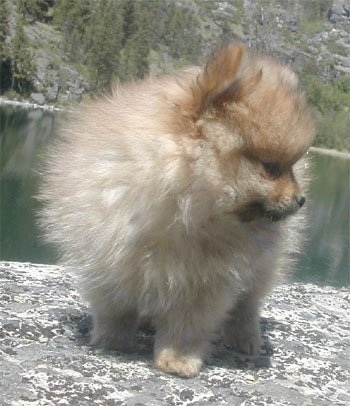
x,y
176,199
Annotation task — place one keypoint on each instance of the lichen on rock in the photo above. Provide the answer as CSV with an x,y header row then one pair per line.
x,y
46,359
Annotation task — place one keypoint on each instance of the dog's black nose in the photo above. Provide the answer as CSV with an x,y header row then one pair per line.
x,y
300,200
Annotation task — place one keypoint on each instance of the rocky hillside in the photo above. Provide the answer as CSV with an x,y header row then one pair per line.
x,y
77,47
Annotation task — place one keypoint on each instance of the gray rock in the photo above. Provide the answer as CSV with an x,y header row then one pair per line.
x,y
72,84
38,98
52,91
57,81
340,11
46,78
46,359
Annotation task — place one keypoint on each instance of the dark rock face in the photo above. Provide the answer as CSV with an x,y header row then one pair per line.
x,y
58,83
46,360
72,84
340,11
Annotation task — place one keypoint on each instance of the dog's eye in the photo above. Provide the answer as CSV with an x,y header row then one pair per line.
x,y
272,169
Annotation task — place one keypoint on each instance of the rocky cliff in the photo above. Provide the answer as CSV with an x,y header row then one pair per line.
x,y
312,37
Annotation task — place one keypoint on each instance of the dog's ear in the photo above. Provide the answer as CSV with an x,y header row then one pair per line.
x,y
219,82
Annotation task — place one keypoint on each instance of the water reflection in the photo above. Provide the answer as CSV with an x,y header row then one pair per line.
x,y
24,133
326,254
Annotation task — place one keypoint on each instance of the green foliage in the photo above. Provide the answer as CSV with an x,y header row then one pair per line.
x,y
114,38
22,68
109,39
316,9
331,102
129,19
4,31
134,56
239,15
333,130
35,9
328,96
178,32
311,27
5,60
103,42
74,18
336,48
342,84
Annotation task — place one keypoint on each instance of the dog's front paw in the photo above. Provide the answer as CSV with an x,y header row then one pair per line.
x,y
244,337
186,366
247,342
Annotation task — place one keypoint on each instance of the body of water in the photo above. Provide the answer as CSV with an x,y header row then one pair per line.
x,y
24,134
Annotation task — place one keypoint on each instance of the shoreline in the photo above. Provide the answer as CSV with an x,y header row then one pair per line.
x,y
29,105
332,152
51,107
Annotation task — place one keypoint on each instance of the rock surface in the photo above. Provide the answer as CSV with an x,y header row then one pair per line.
x,y
46,360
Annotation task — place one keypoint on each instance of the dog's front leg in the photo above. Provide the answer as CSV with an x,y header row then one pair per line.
x,y
242,329
184,337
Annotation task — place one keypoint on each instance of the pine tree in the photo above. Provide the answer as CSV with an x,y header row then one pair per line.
x,y
4,31
180,33
21,60
129,19
114,38
104,42
5,62
74,18
134,61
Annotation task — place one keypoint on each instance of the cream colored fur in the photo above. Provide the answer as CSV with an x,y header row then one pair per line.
x,y
148,197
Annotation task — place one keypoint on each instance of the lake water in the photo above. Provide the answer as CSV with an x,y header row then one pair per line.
x,y
24,133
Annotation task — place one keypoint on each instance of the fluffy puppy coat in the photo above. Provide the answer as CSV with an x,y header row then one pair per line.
x,y
177,199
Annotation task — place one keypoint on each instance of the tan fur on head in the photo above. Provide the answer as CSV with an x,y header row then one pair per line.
x,y
177,199
211,87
